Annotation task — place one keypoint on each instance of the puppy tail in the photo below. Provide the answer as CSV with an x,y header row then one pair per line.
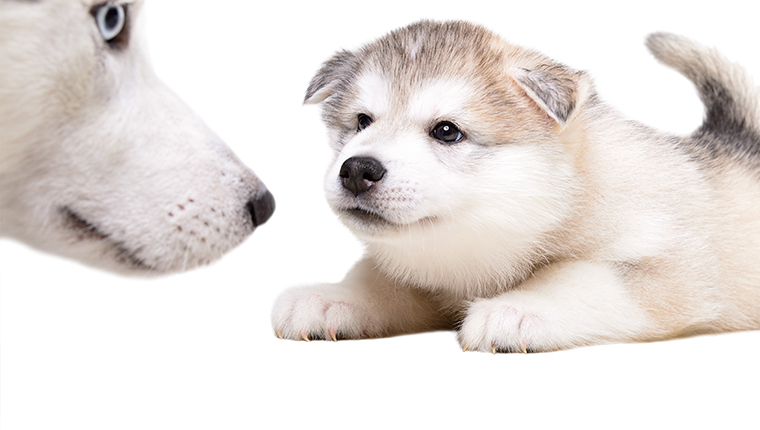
x,y
731,98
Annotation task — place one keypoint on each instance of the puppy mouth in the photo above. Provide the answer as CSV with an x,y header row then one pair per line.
x,y
367,216
85,230
375,222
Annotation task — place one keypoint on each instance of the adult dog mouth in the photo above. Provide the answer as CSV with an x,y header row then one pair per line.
x,y
85,230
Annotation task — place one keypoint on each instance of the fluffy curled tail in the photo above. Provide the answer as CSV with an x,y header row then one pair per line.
x,y
731,98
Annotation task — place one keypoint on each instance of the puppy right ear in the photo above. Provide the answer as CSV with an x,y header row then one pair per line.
x,y
334,71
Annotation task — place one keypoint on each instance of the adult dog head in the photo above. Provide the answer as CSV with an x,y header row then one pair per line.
x,y
99,161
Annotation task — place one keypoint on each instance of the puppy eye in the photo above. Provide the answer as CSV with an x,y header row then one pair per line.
x,y
111,19
446,132
363,121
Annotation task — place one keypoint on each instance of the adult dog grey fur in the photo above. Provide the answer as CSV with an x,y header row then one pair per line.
x,y
498,195
99,161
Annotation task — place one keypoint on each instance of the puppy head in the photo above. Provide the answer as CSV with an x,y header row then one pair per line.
x,y
447,150
99,160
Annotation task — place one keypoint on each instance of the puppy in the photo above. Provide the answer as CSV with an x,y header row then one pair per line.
x,y
498,195
99,161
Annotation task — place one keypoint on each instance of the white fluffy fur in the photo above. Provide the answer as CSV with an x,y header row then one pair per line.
x,y
99,160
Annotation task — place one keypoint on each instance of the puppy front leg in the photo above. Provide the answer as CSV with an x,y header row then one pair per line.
x,y
562,306
365,304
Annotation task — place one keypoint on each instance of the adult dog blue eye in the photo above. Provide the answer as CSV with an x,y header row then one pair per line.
x,y
446,132
110,19
363,121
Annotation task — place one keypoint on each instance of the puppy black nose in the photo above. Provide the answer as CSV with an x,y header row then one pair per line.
x,y
359,174
261,208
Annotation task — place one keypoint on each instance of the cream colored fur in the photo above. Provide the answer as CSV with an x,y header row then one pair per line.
x,y
554,222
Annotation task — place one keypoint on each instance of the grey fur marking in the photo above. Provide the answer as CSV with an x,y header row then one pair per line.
x,y
732,113
332,72
550,86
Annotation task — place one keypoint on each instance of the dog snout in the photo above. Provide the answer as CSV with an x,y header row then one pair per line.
x,y
359,174
261,208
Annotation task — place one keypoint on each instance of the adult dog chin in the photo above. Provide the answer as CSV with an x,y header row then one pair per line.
x,y
85,234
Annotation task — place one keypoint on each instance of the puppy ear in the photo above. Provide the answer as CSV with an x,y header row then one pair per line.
x,y
555,88
335,70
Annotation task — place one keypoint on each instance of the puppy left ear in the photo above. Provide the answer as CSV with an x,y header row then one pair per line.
x,y
335,70
556,89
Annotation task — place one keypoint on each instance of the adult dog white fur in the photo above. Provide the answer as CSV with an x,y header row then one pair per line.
x,y
498,195
99,161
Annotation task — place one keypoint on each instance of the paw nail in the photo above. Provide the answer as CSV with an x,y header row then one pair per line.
x,y
334,334
305,336
466,347
279,334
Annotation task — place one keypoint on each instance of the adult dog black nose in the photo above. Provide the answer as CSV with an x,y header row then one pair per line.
x,y
261,208
359,174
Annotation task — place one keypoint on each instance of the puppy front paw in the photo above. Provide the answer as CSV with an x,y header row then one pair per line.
x,y
321,313
508,326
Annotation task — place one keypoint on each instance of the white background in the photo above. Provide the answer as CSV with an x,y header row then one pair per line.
x,y
89,350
